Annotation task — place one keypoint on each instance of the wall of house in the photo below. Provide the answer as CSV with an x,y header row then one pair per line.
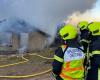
x,y
33,41
15,41
36,41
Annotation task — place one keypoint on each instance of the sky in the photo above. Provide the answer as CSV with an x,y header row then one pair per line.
x,y
43,14
96,9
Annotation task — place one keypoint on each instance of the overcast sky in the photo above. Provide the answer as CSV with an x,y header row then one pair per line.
x,y
44,14
96,9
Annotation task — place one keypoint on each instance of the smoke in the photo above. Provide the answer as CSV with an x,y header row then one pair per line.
x,y
89,15
44,14
5,39
15,25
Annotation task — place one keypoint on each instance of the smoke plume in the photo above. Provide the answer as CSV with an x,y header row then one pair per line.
x,y
90,15
44,14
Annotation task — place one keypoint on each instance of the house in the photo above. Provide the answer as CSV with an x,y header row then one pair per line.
x,y
34,40
37,40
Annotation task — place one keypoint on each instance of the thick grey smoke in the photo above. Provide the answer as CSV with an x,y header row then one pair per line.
x,y
44,14
15,25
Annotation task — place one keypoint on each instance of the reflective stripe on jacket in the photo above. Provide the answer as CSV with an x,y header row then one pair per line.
x,y
95,52
73,68
59,58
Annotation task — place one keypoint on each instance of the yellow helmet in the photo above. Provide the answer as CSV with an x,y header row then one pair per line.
x,y
94,28
68,32
83,25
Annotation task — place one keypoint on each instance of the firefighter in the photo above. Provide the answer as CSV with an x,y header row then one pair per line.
x,y
94,71
69,57
85,41
84,37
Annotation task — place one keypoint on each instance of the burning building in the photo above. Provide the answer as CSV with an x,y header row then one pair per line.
x,y
34,41
22,37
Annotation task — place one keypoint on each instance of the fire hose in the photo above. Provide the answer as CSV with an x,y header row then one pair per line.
x,y
26,60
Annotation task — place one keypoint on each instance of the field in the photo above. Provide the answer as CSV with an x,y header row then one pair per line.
x,y
33,66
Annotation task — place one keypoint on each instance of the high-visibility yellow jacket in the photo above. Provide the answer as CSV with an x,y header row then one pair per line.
x,y
72,68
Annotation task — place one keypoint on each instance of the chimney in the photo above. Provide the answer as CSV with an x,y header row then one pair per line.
x,y
15,41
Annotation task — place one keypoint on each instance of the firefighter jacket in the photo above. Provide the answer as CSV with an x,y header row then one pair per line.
x,y
94,59
68,62
85,38
95,45
95,49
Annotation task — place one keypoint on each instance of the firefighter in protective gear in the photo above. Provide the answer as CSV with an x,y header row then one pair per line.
x,y
69,57
94,71
85,40
84,34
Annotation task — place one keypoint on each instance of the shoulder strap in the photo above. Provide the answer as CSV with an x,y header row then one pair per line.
x,y
80,49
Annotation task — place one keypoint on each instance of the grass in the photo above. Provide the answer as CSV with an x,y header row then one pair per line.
x,y
35,64
9,60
